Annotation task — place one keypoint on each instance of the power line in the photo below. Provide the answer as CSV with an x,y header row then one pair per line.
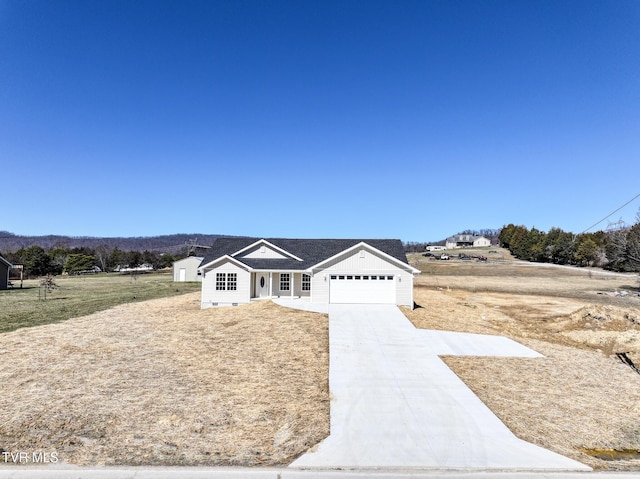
x,y
612,213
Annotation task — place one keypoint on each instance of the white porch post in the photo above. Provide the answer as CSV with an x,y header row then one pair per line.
x,y
270,284
293,283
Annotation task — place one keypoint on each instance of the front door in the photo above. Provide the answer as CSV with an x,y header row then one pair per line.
x,y
262,285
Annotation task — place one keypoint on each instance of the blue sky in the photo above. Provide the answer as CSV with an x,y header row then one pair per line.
x,y
412,119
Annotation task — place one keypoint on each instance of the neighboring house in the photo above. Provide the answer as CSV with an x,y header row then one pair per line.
x,y
467,241
5,266
237,270
187,269
94,270
140,268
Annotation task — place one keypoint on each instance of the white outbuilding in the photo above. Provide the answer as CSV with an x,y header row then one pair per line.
x,y
187,269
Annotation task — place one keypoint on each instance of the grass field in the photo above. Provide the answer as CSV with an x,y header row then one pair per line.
x,y
165,383
81,295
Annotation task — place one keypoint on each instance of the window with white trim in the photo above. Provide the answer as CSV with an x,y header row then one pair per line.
x,y
232,281
226,281
306,282
285,282
221,281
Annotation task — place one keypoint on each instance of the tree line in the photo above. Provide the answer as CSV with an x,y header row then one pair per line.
x,y
10,242
39,261
616,250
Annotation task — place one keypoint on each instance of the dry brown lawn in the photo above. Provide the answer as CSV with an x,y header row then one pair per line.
x,y
165,383
579,400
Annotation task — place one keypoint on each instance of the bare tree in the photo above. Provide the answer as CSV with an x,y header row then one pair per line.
x,y
47,285
102,254
633,247
616,250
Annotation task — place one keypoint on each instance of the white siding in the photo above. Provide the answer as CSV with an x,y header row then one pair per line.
x,y
363,261
404,289
261,252
211,295
482,241
320,287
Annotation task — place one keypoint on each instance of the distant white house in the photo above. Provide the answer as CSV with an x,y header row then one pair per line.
x,y
187,269
467,241
94,270
140,268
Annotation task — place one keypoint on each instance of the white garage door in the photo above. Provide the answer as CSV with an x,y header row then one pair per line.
x,y
351,288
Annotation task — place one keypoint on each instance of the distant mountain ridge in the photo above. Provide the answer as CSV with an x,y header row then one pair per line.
x,y
10,242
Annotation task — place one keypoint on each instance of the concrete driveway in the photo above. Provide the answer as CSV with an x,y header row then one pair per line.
x,y
394,403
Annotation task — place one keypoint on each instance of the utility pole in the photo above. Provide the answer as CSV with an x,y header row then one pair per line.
x,y
615,225
192,245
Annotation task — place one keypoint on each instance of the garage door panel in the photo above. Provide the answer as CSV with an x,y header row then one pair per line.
x,y
347,288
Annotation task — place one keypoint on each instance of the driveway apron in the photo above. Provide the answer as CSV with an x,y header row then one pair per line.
x,y
395,403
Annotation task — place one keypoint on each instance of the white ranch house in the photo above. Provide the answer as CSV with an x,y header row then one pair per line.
x,y
239,270
467,241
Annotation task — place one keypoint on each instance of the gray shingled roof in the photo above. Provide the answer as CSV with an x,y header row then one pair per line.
x,y
311,251
5,261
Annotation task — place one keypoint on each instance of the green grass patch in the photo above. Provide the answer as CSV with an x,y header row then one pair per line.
x,y
81,295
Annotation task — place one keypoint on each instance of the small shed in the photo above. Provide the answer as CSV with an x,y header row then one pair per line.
x,y
187,269
5,266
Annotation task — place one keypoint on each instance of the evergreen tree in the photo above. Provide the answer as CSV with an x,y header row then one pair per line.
x,y
36,261
505,235
586,250
536,245
518,243
79,262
